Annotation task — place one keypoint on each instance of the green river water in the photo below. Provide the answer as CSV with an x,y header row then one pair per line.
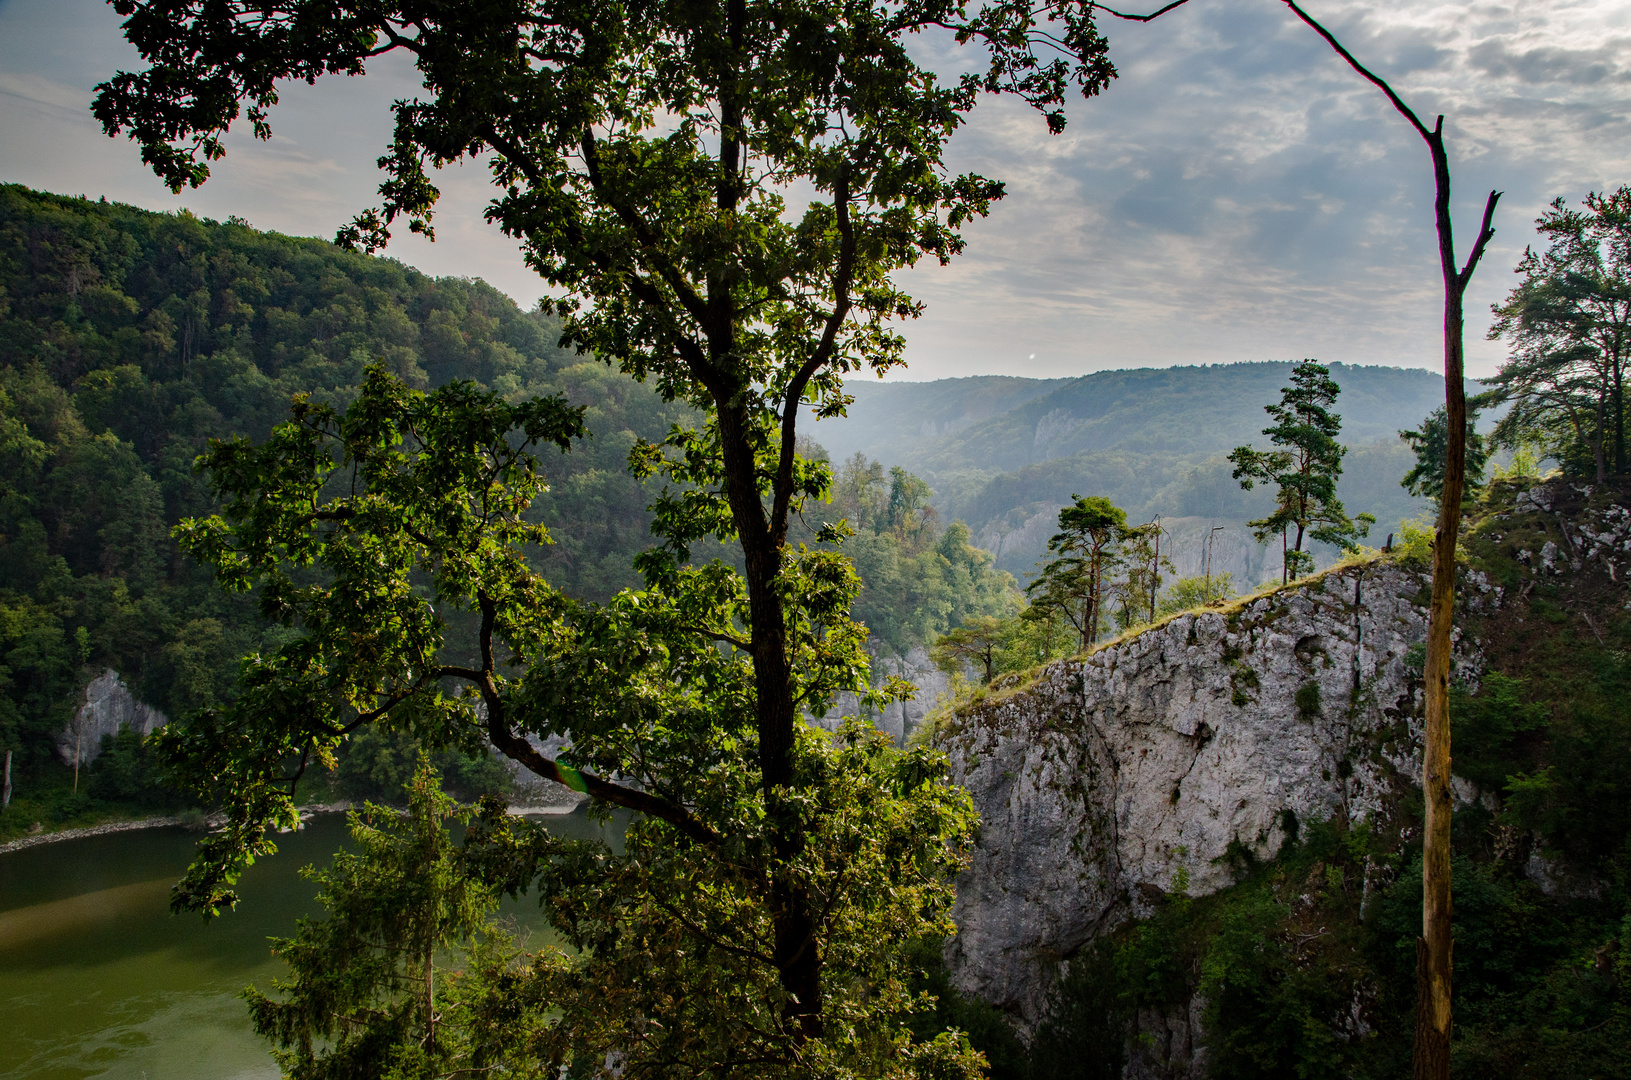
x,y
98,979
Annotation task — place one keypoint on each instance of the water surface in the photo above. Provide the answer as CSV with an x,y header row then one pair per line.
x,y
98,979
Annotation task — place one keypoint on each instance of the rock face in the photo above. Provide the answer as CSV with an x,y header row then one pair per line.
x,y
900,718
109,705
1154,763
1133,772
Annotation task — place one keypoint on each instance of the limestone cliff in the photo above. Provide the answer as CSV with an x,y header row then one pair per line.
x,y
1110,780
900,719
108,706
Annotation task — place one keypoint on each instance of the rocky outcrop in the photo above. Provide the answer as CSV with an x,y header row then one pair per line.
x,y
1116,778
108,706
899,719
1160,761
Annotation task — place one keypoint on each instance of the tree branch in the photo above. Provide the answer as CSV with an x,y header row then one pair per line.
x,y
648,240
1398,103
842,280
1486,231
1138,18
639,287
520,750
727,639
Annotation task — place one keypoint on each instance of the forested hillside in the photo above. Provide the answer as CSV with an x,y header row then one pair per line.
x,y
1005,453
130,339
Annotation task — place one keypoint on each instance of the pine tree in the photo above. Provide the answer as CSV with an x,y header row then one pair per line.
x,y
1430,442
1305,470
1087,547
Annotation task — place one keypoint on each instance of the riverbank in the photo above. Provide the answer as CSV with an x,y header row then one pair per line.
x,y
213,820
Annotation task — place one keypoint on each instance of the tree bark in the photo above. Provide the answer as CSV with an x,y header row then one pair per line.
x,y
1430,1059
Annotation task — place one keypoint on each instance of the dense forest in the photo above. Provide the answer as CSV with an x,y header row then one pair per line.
x,y
129,340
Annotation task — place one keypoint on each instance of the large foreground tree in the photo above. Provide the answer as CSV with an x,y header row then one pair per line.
x,y
718,192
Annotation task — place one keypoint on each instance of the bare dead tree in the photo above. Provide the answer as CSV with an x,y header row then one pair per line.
x,y
1430,1059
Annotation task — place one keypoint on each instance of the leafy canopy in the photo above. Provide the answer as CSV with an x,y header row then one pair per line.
x,y
1430,443
1569,324
1087,550
719,192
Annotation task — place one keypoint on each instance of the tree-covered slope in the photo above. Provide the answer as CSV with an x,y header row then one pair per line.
x,y
1178,411
898,421
1152,440
129,340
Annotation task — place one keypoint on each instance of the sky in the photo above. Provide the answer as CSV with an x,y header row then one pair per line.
x,y
1237,194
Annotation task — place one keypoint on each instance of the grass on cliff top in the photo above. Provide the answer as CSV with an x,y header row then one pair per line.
x,y
967,695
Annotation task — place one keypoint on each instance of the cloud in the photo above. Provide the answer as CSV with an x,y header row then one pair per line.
x,y
1238,193
42,91
1542,65
1241,194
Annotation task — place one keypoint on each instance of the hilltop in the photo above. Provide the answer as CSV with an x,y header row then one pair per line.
x,y
1200,843
1004,453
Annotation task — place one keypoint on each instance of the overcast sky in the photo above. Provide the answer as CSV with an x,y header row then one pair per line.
x,y
1238,194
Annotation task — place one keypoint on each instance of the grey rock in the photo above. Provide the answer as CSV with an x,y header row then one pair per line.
x,y
1112,780
1123,776
900,719
108,706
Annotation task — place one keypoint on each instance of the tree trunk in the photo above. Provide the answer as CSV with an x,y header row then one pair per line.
x,y
1434,964
797,963
1598,454
1619,416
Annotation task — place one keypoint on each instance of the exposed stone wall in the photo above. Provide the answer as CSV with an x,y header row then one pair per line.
x,y
1106,781
108,706
900,718
1115,777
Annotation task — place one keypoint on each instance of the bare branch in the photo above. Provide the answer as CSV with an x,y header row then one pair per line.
x,y
1486,231
1139,18
1398,103
842,281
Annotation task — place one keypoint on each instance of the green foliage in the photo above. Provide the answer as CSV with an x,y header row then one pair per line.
x,y
1304,471
1525,465
1193,592
129,340
1300,981
1087,550
128,770
367,531
674,944
1569,325
1492,731
365,995
977,643
1555,742
1430,442
1135,596
380,766
1308,701
917,582
986,1027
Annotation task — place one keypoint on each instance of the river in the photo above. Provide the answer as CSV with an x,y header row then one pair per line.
x,y
98,979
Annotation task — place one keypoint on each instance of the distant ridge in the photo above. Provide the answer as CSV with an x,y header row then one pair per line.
x,y
893,420
1003,452
997,423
